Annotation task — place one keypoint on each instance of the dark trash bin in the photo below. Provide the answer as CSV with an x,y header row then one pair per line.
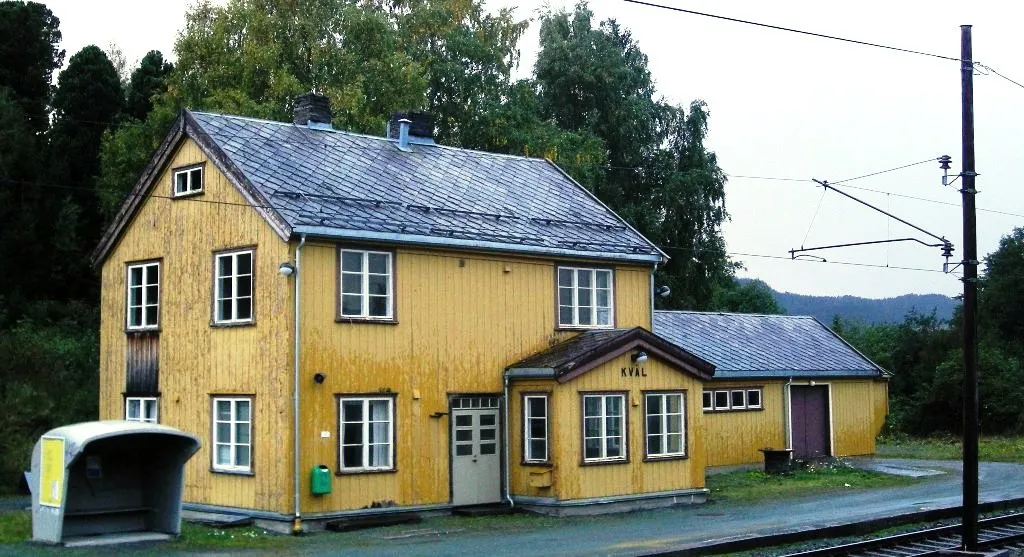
x,y
777,461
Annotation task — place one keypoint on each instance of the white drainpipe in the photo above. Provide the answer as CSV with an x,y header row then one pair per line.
x,y
787,411
508,456
297,524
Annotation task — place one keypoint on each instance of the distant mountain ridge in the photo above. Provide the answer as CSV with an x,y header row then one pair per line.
x,y
868,310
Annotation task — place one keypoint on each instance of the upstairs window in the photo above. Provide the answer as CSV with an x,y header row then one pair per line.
x,y
143,296
188,181
367,285
584,297
233,287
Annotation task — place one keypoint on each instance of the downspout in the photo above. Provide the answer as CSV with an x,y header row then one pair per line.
x,y
297,524
787,411
508,456
653,270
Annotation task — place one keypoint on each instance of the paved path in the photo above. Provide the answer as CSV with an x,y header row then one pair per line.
x,y
677,528
646,532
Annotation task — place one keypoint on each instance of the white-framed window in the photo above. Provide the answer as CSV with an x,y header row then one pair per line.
x,y
732,399
141,409
232,434
367,284
753,398
367,434
143,295
233,287
584,297
666,435
604,427
188,181
535,428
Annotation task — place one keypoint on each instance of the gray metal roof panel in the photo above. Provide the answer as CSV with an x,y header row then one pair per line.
x,y
747,345
347,182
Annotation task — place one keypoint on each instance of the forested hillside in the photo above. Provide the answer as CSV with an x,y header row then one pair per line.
x,y
866,310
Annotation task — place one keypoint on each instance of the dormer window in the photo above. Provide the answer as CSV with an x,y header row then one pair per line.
x,y
188,181
584,297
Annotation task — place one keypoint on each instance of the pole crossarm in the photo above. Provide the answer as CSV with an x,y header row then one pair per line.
x,y
793,252
828,186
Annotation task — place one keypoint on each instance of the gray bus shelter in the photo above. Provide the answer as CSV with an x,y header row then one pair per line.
x,y
108,482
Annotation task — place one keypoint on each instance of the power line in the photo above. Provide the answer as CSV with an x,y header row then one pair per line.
x,y
992,70
827,262
791,30
885,171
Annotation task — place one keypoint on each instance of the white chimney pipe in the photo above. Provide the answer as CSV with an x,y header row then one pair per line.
x,y
403,134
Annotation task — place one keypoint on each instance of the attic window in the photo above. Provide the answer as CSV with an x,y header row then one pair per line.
x,y
188,181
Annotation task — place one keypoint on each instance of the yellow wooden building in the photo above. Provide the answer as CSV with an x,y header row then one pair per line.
x,y
358,324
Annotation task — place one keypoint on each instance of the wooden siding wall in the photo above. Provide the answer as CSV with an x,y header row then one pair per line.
x,y
570,480
197,360
858,409
143,363
734,437
462,318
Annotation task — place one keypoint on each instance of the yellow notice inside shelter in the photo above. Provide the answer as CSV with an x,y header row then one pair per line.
x,y
51,471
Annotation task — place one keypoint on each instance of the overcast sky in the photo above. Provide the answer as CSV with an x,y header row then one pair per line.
x,y
790,106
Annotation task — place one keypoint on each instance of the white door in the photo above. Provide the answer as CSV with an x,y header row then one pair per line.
x,y
476,450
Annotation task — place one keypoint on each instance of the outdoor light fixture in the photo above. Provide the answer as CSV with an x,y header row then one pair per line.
x,y
318,378
663,291
639,357
286,269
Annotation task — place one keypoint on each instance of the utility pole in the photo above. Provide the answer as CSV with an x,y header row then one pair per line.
x,y
969,534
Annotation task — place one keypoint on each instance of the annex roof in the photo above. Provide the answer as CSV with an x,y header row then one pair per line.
x,y
588,350
763,346
335,184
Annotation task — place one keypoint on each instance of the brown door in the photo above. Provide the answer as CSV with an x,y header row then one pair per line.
x,y
810,417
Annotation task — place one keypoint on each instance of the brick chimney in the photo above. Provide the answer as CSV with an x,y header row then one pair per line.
x,y
312,110
421,128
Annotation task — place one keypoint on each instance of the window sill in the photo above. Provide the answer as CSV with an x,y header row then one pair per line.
x,y
367,320
582,327
604,462
136,330
189,194
537,463
667,458
248,473
232,324
360,472
733,410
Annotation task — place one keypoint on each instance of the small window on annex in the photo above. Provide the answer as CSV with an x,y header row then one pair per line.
x,y
143,304
233,287
141,409
732,399
585,297
188,181
535,428
367,284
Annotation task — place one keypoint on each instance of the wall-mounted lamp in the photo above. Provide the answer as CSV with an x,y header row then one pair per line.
x,y
286,269
319,378
639,357
663,291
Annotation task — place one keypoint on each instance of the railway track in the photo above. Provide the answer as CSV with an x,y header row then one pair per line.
x,y
1002,532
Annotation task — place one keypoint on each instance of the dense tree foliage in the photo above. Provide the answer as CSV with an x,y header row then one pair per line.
x,y
146,82
29,54
750,296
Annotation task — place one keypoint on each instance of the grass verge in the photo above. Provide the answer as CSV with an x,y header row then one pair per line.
x,y
15,526
755,485
990,449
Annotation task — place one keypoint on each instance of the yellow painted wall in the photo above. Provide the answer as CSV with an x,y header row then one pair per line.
x,y
858,409
570,480
462,318
195,358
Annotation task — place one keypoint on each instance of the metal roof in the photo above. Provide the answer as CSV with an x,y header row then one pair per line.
x,y
332,183
751,346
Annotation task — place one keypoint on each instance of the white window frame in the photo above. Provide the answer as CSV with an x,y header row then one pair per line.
x,y
364,293
147,406
730,406
144,298
528,439
708,400
603,435
232,441
732,401
593,271
365,441
663,418
751,405
190,174
234,319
